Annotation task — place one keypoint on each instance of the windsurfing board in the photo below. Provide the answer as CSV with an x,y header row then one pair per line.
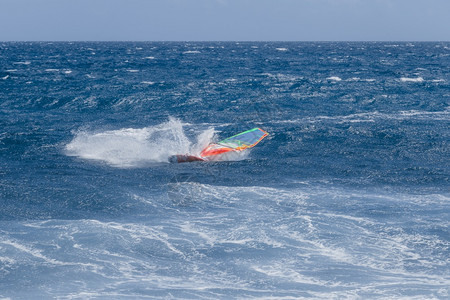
x,y
180,158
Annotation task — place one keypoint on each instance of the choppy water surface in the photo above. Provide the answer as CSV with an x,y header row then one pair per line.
x,y
348,197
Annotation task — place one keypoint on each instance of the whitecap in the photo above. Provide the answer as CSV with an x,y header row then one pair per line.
x,y
148,82
191,52
22,63
51,70
149,57
334,78
282,49
6,77
406,79
358,79
133,71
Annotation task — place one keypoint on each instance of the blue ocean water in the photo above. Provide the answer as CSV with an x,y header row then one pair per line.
x,y
347,198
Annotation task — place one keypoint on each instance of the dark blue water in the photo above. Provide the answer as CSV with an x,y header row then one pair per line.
x,y
348,197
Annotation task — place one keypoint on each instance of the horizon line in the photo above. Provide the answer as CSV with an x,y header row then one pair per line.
x,y
226,41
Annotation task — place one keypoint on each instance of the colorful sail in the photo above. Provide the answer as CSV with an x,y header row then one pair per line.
x,y
238,142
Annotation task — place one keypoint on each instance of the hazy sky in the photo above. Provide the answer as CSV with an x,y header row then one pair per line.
x,y
218,20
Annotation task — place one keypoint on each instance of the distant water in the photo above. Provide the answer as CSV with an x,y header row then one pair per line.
x,y
347,198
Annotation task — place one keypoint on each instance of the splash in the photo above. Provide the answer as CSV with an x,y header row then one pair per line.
x,y
131,147
203,140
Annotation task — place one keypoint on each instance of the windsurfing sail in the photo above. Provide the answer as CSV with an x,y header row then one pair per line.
x,y
238,142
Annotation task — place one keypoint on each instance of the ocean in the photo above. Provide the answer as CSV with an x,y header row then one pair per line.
x,y
347,198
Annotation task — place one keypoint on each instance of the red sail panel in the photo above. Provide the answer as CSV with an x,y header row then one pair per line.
x,y
215,149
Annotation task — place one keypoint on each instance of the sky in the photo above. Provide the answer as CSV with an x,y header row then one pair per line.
x,y
224,20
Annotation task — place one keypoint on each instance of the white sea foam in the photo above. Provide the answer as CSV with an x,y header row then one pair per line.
x,y
27,250
133,71
281,271
6,77
22,63
407,79
360,79
138,232
317,240
334,78
148,82
150,57
51,70
191,52
282,49
373,116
